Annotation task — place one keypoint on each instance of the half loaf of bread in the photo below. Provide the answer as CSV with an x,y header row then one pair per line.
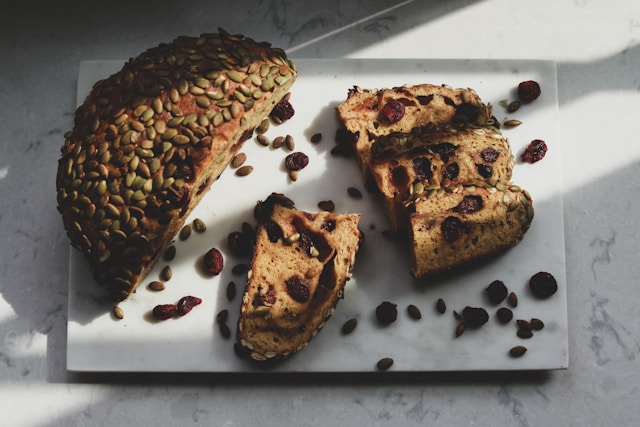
x,y
149,140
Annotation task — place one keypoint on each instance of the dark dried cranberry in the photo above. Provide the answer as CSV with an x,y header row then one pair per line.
x,y
535,151
239,243
504,315
528,91
387,312
543,285
186,304
305,242
329,225
298,289
444,149
345,143
422,168
164,311
489,155
296,161
424,99
399,176
392,112
496,291
274,232
451,171
466,113
283,110
213,261
451,228
475,316
469,204
485,171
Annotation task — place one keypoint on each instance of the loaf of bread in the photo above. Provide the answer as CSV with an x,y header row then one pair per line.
x,y
149,140
368,113
299,267
404,162
452,226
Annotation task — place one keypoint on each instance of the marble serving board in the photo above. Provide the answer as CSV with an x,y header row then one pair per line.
x,y
99,342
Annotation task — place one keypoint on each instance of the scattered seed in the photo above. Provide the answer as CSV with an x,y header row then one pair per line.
x,y
316,137
244,170
504,315
199,226
166,273
349,326
225,331
231,291
524,333
517,351
459,329
384,363
354,193
512,299
457,315
263,127
118,313
239,269
523,324
263,140
238,160
185,232
414,312
169,253
513,106
222,316
441,306
326,205
289,143
511,123
277,142
536,324
156,286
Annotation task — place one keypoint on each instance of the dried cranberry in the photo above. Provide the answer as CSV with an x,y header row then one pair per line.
x,y
329,225
485,171
283,110
496,291
451,171
543,285
504,315
186,304
393,111
528,91
239,243
535,151
213,262
489,155
475,316
466,113
296,161
451,228
422,168
387,312
305,242
298,288
469,204
444,149
164,311
274,232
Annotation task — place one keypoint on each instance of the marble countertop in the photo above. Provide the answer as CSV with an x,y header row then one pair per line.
x,y
596,46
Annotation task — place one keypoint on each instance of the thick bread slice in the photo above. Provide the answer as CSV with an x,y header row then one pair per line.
x,y
150,140
465,223
299,268
424,105
402,164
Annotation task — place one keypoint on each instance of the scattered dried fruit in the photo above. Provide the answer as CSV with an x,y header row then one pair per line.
x,y
296,161
543,285
240,243
298,289
529,90
164,311
186,304
496,291
475,316
504,315
392,112
213,261
283,110
387,312
535,151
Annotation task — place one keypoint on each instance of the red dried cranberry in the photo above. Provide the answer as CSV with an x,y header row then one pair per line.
x,y
543,285
466,113
298,288
528,91
305,242
469,204
164,311
475,316
444,149
213,262
283,110
274,232
496,291
186,304
451,171
422,168
489,155
296,161
239,243
451,228
387,312
485,171
535,151
393,111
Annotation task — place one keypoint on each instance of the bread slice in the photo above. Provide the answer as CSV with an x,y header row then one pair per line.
x,y
404,162
300,264
149,140
425,105
456,225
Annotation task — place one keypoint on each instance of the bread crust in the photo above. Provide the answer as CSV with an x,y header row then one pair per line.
x,y
149,141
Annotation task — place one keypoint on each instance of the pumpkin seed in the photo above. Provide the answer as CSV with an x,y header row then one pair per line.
x,y
293,175
459,329
169,253
156,286
384,363
244,170
289,143
517,351
326,205
231,291
277,142
512,299
513,106
316,137
414,312
166,273
263,140
185,232
238,160
349,326
118,312
511,123
199,226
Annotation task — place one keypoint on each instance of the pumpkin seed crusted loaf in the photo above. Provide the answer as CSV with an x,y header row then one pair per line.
x,y
149,140
407,163
456,225
300,264
368,113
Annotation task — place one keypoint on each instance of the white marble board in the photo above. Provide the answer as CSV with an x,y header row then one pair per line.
x,y
98,342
